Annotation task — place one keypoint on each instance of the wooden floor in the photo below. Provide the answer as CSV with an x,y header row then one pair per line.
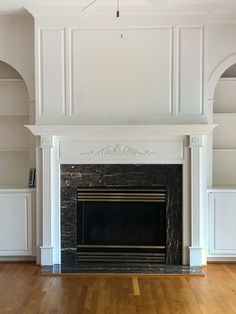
x,y
23,291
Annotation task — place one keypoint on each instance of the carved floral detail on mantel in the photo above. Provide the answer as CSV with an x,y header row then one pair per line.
x,y
120,150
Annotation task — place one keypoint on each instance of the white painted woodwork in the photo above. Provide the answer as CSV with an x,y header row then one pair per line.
x,y
225,96
224,167
222,219
190,81
197,239
15,223
224,133
121,72
164,151
47,248
109,73
13,97
113,144
51,79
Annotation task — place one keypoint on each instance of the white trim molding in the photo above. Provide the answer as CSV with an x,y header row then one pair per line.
x,y
46,248
197,248
119,144
150,131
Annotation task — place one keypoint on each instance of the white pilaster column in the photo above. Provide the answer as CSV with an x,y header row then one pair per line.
x,y
46,248
196,249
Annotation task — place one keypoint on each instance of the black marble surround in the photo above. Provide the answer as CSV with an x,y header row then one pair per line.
x,y
74,176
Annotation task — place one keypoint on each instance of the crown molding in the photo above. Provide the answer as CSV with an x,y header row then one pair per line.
x,y
138,7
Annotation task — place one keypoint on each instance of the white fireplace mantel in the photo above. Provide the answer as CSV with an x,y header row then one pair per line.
x,y
163,144
118,130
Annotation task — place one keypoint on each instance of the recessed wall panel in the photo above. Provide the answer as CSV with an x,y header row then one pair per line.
x,y
121,72
52,72
190,86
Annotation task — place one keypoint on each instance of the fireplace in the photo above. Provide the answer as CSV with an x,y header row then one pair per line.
x,y
121,224
128,197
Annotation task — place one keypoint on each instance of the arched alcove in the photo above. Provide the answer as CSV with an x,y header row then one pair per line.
x,y
224,140
14,137
220,68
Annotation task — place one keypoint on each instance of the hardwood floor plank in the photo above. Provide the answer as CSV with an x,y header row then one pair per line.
x,y
22,291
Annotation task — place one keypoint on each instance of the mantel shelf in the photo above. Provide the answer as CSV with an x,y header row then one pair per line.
x,y
119,130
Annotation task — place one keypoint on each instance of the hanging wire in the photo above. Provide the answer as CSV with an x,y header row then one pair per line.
x,y
87,6
92,2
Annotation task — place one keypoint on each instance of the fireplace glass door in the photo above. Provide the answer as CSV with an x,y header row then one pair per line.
x,y
121,223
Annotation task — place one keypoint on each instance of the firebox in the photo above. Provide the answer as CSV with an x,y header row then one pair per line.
x,y
121,224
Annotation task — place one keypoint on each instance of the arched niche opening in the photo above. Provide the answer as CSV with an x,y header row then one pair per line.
x,y
14,137
224,139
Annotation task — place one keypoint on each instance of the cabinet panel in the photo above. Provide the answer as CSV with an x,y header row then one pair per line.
x,y
222,221
15,224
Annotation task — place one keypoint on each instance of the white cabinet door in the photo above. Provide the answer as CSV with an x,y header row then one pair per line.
x,y
15,224
222,223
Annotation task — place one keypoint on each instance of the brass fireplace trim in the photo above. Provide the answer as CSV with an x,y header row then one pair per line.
x,y
121,195
121,246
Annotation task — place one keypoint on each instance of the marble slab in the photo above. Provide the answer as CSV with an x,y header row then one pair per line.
x,y
75,176
121,268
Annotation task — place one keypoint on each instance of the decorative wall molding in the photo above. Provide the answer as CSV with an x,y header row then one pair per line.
x,y
71,68
201,88
43,78
46,248
137,7
119,150
218,71
197,246
195,141
46,141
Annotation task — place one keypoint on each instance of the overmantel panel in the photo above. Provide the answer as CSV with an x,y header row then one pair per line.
x,y
94,73
121,70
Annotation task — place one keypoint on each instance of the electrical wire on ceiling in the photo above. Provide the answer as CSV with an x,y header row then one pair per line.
x,y
92,2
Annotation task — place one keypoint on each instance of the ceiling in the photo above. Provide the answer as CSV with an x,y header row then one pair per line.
x,y
219,7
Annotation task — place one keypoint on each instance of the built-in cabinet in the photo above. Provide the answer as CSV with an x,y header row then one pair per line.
x,y
16,223
222,221
16,200
222,197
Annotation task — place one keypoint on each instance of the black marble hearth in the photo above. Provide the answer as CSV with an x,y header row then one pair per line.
x,y
115,176
121,268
